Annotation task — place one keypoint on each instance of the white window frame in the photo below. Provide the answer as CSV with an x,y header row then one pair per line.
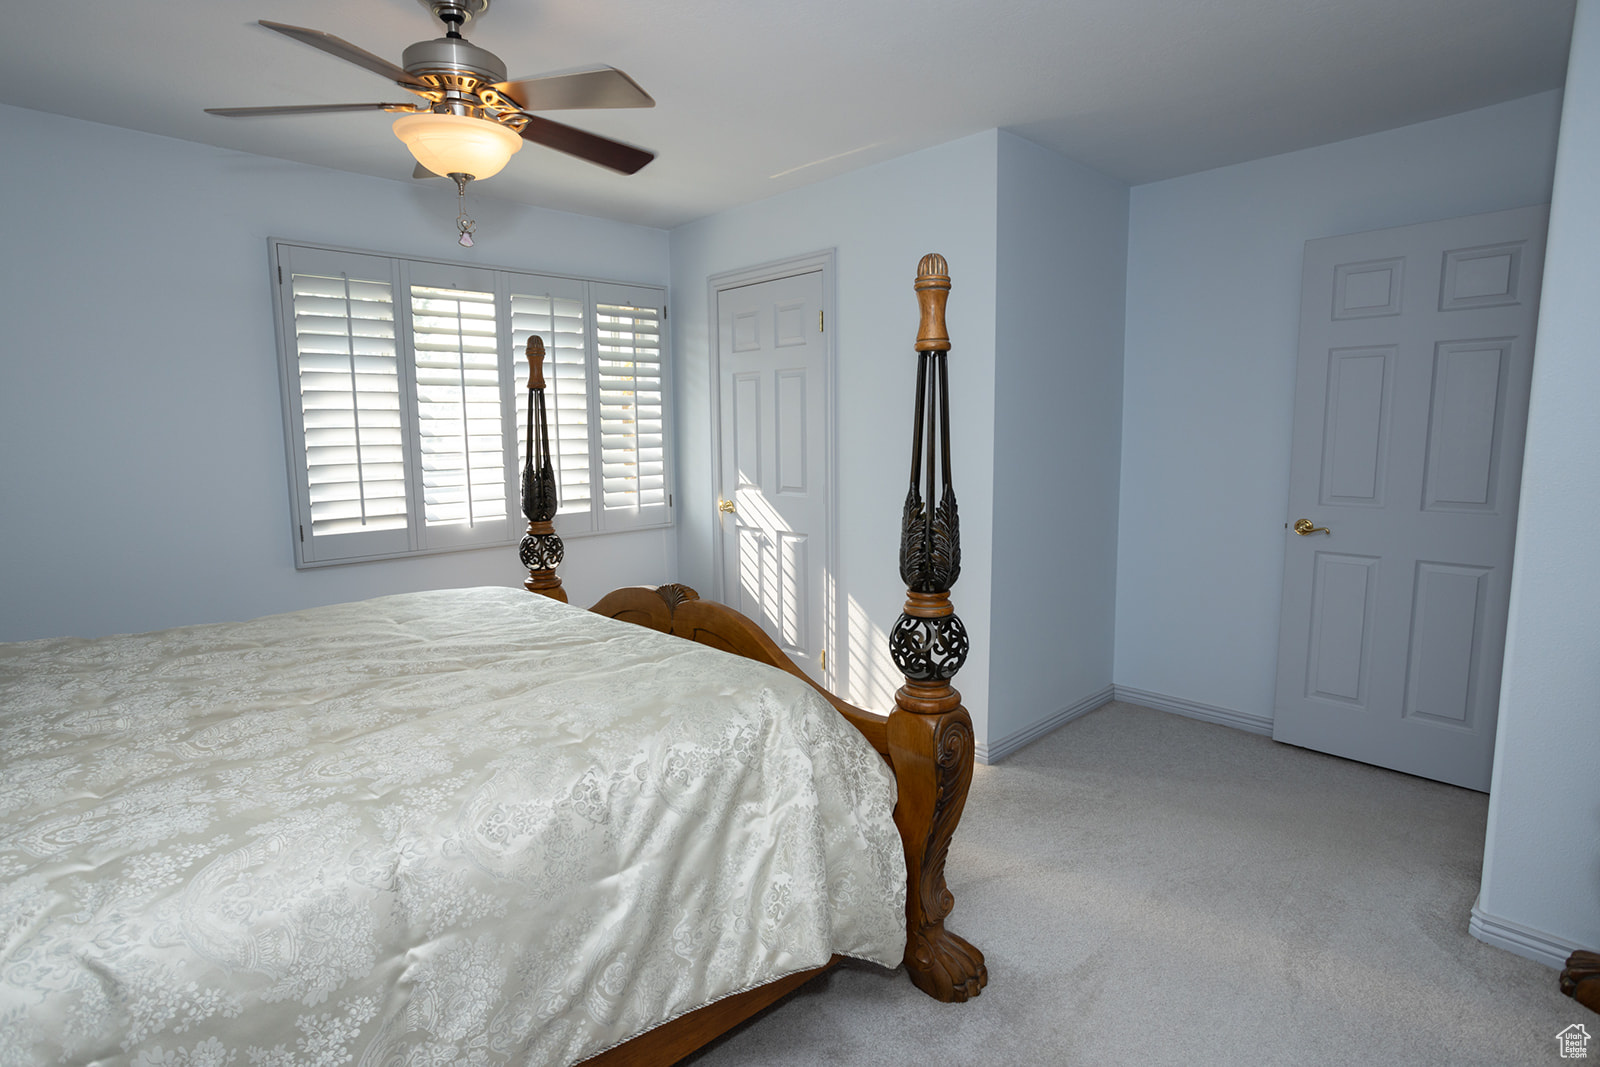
x,y
417,537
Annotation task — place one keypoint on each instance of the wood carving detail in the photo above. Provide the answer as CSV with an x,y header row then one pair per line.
x,y
941,964
953,741
675,594
1580,980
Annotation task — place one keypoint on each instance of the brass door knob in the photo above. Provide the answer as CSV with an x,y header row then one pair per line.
x,y
1304,526
726,506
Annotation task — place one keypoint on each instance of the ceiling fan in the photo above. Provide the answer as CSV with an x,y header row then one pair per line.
x,y
470,119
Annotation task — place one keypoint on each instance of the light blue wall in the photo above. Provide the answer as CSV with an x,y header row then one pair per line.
x,y
1541,867
881,220
144,482
1212,322
1063,239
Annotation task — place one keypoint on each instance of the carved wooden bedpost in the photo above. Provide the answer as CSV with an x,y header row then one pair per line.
x,y
1580,980
541,550
929,728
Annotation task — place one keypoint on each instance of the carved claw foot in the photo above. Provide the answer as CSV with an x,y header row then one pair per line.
x,y
945,966
1581,979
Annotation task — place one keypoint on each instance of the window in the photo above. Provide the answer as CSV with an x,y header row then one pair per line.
x,y
406,402
632,435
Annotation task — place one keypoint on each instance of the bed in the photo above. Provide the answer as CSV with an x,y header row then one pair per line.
x,y
474,826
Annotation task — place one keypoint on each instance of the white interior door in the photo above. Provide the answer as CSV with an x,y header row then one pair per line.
x,y
1411,400
773,364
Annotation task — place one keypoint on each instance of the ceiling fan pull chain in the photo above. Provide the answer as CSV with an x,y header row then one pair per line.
x,y
463,224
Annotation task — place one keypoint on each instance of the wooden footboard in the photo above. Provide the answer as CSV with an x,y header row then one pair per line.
x,y
677,609
930,752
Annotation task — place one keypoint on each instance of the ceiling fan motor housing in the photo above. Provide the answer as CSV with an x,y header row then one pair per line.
x,y
453,56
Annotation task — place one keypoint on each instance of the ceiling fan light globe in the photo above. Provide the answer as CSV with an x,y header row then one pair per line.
x,y
458,144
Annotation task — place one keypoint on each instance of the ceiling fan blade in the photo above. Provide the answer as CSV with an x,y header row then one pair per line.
x,y
589,146
304,109
338,46
601,87
419,171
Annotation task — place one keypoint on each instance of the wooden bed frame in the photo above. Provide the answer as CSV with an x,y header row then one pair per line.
x,y
1580,979
927,738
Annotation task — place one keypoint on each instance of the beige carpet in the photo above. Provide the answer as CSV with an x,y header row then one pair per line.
x,y
1154,890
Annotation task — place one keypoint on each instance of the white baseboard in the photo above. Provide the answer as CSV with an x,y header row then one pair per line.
x,y
996,751
1239,720
1524,941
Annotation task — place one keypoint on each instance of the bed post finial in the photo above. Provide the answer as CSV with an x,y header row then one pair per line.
x,y
930,733
933,289
541,549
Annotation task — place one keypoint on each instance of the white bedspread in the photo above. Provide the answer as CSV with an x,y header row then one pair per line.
x,y
463,827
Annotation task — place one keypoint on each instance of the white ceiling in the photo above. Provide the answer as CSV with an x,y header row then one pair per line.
x,y
757,96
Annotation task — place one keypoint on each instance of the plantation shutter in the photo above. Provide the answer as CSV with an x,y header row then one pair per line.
x,y
405,402
342,392
553,308
630,394
460,419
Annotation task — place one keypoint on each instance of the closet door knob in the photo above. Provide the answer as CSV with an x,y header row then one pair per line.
x,y
1303,527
